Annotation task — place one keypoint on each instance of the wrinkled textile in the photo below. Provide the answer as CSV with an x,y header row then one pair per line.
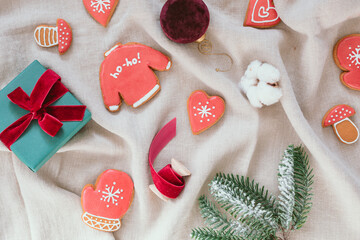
x,y
246,141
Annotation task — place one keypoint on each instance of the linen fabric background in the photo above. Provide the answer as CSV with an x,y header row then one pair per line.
x,y
246,141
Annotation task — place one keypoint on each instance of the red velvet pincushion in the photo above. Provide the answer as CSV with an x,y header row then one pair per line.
x,y
184,21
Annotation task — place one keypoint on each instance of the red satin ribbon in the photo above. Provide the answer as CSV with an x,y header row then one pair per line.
x,y
167,181
47,90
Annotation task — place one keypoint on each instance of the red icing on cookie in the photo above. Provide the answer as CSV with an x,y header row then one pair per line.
x,y
336,114
64,35
261,14
204,111
101,10
106,203
347,57
127,71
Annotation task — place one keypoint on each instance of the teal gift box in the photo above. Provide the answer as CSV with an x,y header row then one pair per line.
x,y
35,147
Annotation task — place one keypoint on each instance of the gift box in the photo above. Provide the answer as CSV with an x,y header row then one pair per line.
x,y
36,135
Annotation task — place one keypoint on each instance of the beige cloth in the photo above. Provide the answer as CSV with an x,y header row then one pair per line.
x,y
247,141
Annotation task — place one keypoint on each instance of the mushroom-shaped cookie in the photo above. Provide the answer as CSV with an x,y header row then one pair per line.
x,y
49,36
344,128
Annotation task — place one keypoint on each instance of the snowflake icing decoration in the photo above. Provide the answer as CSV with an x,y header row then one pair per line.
x,y
204,111
111,195
354,56
100,5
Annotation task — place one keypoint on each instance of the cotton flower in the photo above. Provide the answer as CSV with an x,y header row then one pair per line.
x,y
260,84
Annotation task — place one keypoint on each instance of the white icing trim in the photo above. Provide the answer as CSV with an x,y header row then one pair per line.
x,y
337,133
38,40
267,10
147,96
112,49
107,227
113,108
168,65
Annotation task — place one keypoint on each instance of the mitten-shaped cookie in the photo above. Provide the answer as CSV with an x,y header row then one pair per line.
x,y
106,203
347,57
128,71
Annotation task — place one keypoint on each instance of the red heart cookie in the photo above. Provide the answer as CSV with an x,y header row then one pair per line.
x,y
347,57
261,14
101,10
204,111
106,203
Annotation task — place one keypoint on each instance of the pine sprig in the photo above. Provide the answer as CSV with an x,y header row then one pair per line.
x,y
210,234
253,213
303,181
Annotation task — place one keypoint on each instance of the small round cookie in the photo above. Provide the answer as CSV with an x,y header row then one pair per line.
x,y
107,202
347,58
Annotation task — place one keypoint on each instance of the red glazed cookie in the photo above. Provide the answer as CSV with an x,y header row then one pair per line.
x,y
261,14
101,10
107,202
344,128
48,36
204,111
347,58
127,73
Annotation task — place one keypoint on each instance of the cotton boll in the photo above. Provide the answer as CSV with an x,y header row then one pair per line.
x,y
252,69
268,73
268,94
246,82
253,96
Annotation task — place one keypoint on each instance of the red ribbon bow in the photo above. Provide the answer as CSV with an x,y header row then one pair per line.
x,y
47,90
167,181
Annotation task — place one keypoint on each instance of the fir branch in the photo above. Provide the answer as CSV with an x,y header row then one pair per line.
x,y
286,187
241,205
210,234
303,181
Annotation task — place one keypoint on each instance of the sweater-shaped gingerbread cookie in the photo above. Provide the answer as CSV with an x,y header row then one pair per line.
x,y
127,73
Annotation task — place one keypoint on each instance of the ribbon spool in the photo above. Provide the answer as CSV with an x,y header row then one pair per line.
x,y
186,21
169,181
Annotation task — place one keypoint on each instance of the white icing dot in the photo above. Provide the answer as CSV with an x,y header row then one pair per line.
x,y
340,112
61,24
101,199
335,116
199,103
116,204
344,114
98,190
105,221
335,110
114,183
331,115
121,190
60,29
346,110
208,120
63,32
214,115
64,27
94,10
66,38
122,198
62,47
201,121
195,114
107,205
106,185
340,116
194,107
349,47
67,33
65,43
342,109
329,121
63,38
349,111
333,120
207,102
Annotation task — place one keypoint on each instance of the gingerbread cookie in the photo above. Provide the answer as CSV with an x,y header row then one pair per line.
x,y
347,58
49,36
107,202
344,128
261,14
127,73
204,111
101,10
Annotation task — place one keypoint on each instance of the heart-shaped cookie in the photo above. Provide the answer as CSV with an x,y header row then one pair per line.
x,y
261,14
347,57
204,111
101,10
